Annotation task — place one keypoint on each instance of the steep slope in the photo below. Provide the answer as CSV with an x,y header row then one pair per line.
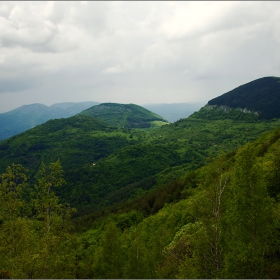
x,y
261,96
125,115
28,116
223,211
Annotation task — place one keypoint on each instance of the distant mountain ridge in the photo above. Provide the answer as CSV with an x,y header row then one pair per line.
x,y
261,96
126,115
259,99
28,116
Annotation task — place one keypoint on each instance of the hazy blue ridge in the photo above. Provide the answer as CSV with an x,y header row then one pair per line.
x,y
28,116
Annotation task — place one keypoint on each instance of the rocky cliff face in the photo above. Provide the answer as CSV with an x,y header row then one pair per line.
x,y
260,97
228,109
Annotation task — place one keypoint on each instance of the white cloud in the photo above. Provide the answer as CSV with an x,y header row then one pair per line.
x,y
134,51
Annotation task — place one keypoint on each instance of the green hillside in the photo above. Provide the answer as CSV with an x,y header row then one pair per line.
x,y
101,162
261,96
198,198
76,141
223,223
125,115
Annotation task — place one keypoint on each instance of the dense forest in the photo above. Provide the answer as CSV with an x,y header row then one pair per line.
x,y
198,198
223,224
261,95
101,162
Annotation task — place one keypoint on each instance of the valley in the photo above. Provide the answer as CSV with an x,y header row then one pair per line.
x,y
133,196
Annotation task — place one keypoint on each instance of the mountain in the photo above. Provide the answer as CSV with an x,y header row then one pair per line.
x,y
104,158
219,221
125,115
195,199
77,140
105,164
28,116
261,96
174,111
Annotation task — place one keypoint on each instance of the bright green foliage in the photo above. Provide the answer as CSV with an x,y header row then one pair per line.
x,y
46,203
34,236
137,264
108,260
197,248
14,228
249,218
12,184
209,207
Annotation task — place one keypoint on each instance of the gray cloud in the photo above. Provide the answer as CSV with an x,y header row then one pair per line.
x,y
133,52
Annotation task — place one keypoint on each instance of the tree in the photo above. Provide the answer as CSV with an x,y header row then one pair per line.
x,y
202,239
249,217
15,229
53,220
108,257
11,186
46,202
34,242
212,209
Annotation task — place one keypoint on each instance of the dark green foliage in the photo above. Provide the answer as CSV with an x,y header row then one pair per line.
x,y
145,209
76,141
125,157
147,204
110,176
261,95
4,274
215,222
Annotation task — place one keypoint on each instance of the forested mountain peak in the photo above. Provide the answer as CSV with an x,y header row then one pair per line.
x,y
262,96
126,115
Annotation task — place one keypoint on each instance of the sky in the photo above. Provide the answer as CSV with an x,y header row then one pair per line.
x,y
132,51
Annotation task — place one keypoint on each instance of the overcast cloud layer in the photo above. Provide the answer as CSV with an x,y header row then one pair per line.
x,y
133,52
